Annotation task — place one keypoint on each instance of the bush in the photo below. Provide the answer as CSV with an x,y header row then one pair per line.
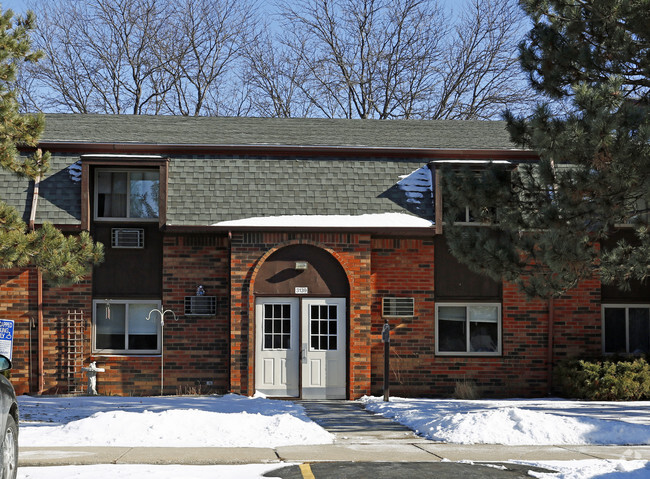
x,y
606,380
466,389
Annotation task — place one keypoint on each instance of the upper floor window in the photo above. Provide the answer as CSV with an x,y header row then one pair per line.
x,y
132,194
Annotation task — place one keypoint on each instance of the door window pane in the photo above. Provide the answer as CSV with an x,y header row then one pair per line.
x,y
277,326
323,324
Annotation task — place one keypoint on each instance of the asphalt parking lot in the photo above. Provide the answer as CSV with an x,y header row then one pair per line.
x,y
402,470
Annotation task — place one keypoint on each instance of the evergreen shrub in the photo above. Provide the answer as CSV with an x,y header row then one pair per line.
x,y
611,379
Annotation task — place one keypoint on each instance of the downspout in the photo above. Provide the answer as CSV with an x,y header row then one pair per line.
x,y
229,311
39,291
549,358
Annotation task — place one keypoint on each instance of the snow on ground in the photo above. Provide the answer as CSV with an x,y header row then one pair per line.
x,y
520,422
188,421
231,420
592,469
145,471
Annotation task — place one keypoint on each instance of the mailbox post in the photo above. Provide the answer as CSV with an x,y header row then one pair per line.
x,y
385,338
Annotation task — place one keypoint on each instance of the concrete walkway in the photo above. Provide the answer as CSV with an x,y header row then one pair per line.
x,y
360,437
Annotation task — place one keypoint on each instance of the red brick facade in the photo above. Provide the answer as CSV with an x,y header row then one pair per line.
x,y
217,353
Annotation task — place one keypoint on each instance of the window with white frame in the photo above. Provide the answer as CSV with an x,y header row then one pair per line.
x,y
468,328
626,329
122,327
127,194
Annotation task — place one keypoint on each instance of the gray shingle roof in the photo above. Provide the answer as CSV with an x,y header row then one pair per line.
x,y
59,196
207,189
177,130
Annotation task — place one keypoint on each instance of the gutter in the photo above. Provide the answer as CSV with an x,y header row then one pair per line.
x,y
39,293
549,357
283,150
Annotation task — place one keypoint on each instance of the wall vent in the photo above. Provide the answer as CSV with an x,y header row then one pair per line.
x,y
127,237
398,307
200,305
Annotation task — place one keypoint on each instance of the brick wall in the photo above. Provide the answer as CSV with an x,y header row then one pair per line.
x,y
195,347
403,267
18,302
220,349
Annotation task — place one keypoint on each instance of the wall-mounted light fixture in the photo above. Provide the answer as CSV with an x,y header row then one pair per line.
x,y
301,265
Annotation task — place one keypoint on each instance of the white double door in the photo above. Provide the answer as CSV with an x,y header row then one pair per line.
x,y
301,347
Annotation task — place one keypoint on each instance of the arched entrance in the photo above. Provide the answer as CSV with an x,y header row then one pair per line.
x,y
301,295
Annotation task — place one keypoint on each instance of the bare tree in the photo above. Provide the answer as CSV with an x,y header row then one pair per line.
x,y
203,52
137,56
98,55
392,59
332,58
480,76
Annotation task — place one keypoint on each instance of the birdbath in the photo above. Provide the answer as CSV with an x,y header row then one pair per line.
x,y
91,372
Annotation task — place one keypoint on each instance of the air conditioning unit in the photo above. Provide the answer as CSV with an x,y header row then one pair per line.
x,y
200,305
394,307
127,237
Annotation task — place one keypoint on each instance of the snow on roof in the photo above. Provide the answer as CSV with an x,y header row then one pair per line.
x,y
383,220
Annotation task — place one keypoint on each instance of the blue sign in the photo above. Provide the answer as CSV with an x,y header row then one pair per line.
x,y
6,337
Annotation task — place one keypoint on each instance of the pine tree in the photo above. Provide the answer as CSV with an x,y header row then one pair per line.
x,y
550,224
62,259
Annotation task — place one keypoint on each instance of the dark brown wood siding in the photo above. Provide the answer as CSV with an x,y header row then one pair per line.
x,y
126,272
455,281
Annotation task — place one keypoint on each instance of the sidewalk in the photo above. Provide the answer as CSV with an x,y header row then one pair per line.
x,y
360,437
379,452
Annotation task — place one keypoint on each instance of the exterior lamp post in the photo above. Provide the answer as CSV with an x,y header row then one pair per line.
x,y
385,338
162,313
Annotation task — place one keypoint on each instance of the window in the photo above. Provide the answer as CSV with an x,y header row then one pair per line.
x,y
626,329
466,215
468,328
121,326
127,194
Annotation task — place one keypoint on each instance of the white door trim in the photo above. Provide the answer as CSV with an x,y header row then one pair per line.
x,y
301,347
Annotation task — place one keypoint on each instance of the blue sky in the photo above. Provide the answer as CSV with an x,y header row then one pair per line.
x,y
20,6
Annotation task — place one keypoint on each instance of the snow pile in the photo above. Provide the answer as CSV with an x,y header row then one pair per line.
x,y
228,421
592,469
507,422
146,471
